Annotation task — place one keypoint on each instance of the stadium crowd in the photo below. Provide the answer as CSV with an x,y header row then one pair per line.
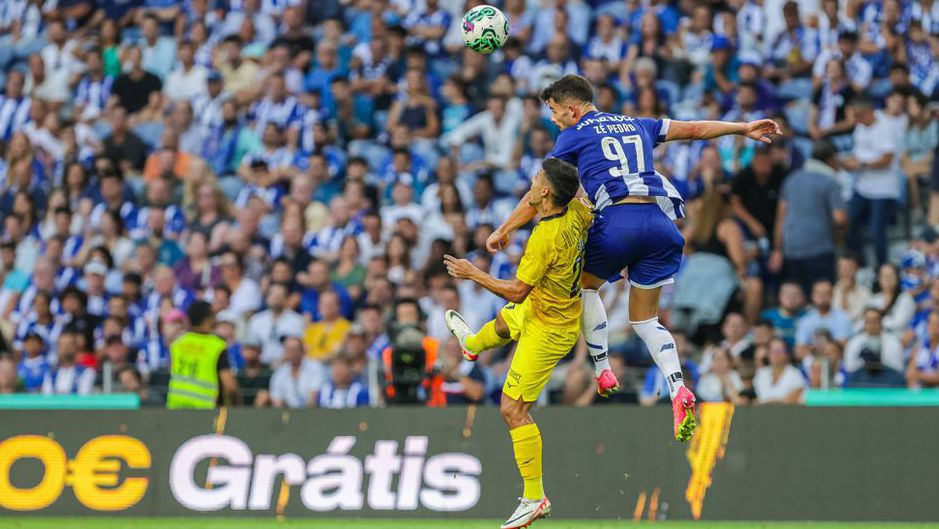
x,y
304,165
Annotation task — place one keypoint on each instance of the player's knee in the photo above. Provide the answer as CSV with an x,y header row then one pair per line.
x,y
590,281
502,328
513,412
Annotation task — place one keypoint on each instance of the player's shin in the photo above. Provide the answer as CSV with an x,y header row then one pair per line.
x,y
594,327
487,338
526,442
661,346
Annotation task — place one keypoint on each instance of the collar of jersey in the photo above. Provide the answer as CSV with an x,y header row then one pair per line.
x,y
587,114
556,215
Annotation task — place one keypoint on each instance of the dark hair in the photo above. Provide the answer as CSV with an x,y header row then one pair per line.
x,y
878,288
199,312
562,179
370,306
118,220
852,256
281,260
109,172
824,150
118,297
409,301
106,254
568,87
45,294
459,83
848,35
73,290
608,87
239,260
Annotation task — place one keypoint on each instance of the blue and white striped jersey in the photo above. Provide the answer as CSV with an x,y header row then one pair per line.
x,y
614,157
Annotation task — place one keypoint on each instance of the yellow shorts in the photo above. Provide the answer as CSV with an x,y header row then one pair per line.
x,y
539,350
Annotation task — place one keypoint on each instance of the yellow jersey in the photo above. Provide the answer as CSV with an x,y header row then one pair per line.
x,y
552,262
323,340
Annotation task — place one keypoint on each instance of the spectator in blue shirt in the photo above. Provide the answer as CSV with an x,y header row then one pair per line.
x,y
784,317
326,69
34,367
342,389
351,116
823,315
316,281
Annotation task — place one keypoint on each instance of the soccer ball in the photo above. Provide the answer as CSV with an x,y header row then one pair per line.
x,y
485,29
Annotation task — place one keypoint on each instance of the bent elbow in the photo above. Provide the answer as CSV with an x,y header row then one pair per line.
x,y
518,296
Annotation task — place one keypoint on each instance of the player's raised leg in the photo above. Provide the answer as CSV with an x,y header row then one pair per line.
x,y
643,316
593,325
527,446
495,333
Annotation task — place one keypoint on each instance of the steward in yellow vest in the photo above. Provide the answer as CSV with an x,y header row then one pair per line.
x,y
199,369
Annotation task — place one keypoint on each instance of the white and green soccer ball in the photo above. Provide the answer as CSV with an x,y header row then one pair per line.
x,y
485,29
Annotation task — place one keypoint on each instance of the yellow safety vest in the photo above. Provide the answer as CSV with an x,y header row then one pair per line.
x,y
194,371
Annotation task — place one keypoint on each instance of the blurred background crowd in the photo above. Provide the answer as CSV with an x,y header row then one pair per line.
x,y
303,165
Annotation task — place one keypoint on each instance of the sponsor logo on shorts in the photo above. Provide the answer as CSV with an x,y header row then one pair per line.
x,y
514,375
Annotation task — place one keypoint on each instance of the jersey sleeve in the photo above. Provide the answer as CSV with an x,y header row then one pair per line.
x,y
535,260
223,362
655,129
565,148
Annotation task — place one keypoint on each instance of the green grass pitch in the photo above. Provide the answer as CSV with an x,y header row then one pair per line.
x,y
118,522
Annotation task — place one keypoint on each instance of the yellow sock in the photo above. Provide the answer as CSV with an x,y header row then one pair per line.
x,y
526,441
485,339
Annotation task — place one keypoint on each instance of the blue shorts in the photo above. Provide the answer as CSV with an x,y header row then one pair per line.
x,y
638,237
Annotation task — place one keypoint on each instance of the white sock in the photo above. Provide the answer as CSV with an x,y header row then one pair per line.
x,y
593,324
661,346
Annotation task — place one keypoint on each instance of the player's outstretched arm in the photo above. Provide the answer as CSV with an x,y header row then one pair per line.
x,y
759,130
520,216
513,290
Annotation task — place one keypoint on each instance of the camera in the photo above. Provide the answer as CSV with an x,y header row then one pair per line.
x,y
408,366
